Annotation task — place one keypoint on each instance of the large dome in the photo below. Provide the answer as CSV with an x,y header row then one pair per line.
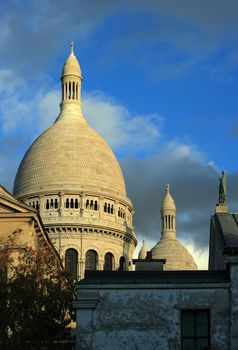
x,y
72,177
69,155
176,255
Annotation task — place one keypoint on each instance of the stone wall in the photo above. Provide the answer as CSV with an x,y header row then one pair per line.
x,y
148,316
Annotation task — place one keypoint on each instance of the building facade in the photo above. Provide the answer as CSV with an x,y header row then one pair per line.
x,y
171,310
21,227
71,176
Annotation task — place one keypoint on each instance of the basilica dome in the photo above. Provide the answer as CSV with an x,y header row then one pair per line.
x,y
69,155
72,177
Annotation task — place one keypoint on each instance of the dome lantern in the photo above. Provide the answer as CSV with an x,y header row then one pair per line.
x,y
168,216
71,79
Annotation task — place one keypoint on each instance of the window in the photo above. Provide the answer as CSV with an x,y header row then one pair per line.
x,y
71,263
108,262
195,330
122,263
91,260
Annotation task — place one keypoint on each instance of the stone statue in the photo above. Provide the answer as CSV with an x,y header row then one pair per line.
x,y
222,189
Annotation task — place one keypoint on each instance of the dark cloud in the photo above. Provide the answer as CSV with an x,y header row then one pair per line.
x,y
194,187
170,36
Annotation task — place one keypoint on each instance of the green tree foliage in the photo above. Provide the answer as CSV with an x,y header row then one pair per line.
x,y
35,299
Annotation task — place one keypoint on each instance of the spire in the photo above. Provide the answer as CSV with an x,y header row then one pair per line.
x,y
168,215
72,47
167,188
143,252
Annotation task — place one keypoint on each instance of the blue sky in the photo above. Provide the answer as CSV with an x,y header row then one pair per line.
x,y
160,83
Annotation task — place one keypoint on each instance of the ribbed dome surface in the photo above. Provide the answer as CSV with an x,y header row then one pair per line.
x,y
176,255
69,155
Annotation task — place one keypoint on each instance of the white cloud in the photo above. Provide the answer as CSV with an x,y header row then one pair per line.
x,y
119,127
48,108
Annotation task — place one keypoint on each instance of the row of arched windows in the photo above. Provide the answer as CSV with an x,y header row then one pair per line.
x,y
52,203
71,203
168,222
91,262
91,205
108,208
121,213
34,204
70,91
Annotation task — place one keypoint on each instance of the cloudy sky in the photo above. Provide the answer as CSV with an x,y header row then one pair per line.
x,y
160,84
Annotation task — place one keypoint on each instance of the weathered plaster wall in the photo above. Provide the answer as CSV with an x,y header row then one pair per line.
x,y
149,318
234,304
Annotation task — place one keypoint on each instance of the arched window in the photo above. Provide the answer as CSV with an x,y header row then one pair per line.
x,y
96,205
73,95
71,263
108,208
37,205
122,263
108,262
56,203
91,205
69,90
76,203
67,203
105,207
91,260
47,206
112,209
71,203
87,204
51,203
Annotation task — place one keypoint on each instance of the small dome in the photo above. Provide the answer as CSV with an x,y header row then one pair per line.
x,y
143,252
176,255
71,66
168,202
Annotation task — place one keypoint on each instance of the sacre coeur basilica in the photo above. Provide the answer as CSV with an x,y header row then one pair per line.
x,y
72,177
70,193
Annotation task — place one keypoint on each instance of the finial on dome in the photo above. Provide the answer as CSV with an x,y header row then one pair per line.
x,y
167,188
72,47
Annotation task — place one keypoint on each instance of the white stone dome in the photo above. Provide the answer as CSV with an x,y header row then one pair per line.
x,y
169,248
69,156
176,255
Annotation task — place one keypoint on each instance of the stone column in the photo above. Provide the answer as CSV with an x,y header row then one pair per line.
x,y
101,207
82,195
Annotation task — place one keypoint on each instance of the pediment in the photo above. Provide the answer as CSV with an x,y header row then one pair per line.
x,y
9,204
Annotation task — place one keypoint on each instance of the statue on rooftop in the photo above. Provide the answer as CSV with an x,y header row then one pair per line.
x,y
222,189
